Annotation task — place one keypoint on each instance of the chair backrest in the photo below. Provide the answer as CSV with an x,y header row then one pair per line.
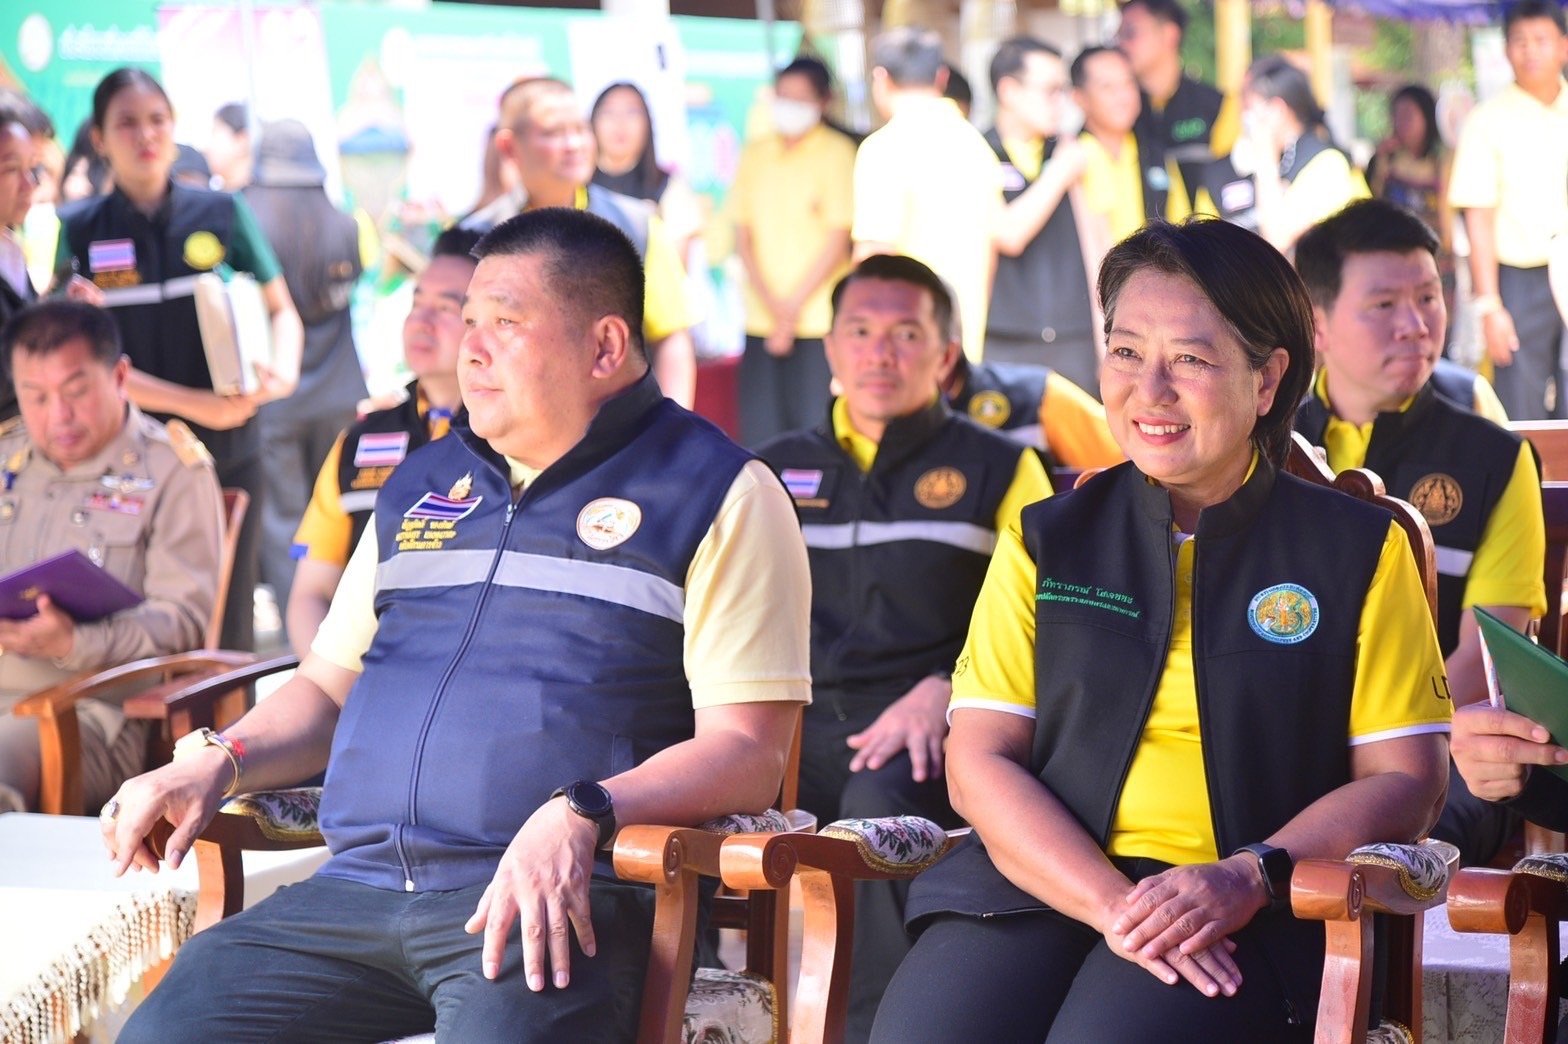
x,y
1550,439
235,503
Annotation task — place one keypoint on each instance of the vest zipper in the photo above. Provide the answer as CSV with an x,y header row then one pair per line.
x,y
435,700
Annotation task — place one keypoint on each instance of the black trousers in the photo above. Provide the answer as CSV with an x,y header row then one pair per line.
x,y
331,960
775,394
830,791
1040,976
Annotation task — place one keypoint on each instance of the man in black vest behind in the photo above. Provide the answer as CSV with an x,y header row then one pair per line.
x,y
1372,272
583,607
1041,311
900,501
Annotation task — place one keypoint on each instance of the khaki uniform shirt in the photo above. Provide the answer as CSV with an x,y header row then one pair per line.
x,y
147,509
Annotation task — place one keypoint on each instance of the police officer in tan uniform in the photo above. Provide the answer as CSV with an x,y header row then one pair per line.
x,y
83,468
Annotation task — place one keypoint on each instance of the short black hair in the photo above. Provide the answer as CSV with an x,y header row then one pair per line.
x,y
234,116
957,87
1078,73
19,108
591,267
1525,10
1278,77
911,57
1011,56
1249,283
456,241
815,70
897,268
121,79
1367,226
1170,11
49,325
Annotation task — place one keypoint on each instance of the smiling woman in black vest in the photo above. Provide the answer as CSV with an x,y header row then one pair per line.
x,y
1170,692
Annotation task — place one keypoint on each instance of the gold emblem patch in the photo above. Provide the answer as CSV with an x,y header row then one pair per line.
x,y
608,521
990,408
203,251
940,488
462,487
1438,498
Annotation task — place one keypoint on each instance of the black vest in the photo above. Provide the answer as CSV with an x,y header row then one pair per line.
x,y
897,553
1274,711
1452,465
149,289
1185,127
362,473
1235,195
1043,293
1006,398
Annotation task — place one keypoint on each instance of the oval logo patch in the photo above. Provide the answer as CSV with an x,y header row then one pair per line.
x,y
990,408
608,521
1284,613
940,488
202,250
1438,498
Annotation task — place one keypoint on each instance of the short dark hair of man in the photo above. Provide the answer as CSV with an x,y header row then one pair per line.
x,y
1078,73
16,107
815,70
517,101
897,268
456,241
51,324
1168,11
590,266
1011,56
1254,289
911,57
1367,226
957,88
1525,10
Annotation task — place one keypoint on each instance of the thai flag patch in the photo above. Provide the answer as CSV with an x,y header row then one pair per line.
x,y
802,483
111,255
446,509
383,450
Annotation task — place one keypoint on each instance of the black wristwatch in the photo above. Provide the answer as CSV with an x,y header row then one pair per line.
x,y
591,801
1275,867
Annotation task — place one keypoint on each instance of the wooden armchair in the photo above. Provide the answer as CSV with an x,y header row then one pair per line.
x,y
154,682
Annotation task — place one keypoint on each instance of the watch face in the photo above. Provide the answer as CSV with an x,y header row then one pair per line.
x,y
591,798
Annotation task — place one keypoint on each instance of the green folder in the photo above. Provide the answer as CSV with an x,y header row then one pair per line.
x,y
1533,681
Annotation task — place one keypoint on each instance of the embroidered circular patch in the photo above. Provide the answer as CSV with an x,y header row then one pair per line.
x,y
990,408
202,250
1284,613
940,488
1438,498
608,521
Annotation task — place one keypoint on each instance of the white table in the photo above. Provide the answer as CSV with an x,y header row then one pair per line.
x,y
74,939
1464,983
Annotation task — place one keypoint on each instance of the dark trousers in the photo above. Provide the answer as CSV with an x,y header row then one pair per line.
x,y
1039,976
1077,360
830,791
239,613
331,960
775,394
1522,387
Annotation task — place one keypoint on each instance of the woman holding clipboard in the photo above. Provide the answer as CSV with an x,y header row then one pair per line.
x,y
137,252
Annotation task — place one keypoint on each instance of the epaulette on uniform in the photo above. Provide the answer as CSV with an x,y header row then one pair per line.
x,y
190,449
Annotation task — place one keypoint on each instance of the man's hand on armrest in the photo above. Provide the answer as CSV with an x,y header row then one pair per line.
x,y
186,793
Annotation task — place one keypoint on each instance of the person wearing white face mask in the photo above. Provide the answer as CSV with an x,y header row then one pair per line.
x,y
792,205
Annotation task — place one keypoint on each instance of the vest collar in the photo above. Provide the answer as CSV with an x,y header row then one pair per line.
x,y
1225,519
903,436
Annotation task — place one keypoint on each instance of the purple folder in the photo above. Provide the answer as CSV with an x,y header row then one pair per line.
x,y
80,589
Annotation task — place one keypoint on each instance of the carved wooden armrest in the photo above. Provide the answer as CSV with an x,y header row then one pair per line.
x,y
852,849
1380,878
193,695
1482,900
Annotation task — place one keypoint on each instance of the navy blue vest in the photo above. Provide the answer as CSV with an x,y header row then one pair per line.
x,y
1005,397
520,645
360,477
1452,464
897,553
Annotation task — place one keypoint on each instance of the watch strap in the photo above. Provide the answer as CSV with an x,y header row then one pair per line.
x,y
1275,867
605,821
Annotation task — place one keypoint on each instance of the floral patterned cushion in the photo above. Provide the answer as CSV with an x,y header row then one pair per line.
x,y
726,1007
1423,868
1553,866
892,843
282,815
1391,1032
770,822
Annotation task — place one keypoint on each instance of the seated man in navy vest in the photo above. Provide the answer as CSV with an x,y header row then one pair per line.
x,y
900,502
1372,272
1038,407
583,607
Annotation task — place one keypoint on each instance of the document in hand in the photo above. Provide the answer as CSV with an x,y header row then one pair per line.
x,y
235,331
1530,680
79,588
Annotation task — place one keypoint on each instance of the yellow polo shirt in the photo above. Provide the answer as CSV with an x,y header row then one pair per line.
x,y
792,198
1164,808
1513,156
1324,187
748,599
1113,187
1076,430
1507,567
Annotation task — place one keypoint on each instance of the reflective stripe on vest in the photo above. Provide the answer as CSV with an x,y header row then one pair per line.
x,y
1453,561
150,293
358,500
842,535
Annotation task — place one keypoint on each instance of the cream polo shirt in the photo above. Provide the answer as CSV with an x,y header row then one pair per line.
x,y
1513,156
